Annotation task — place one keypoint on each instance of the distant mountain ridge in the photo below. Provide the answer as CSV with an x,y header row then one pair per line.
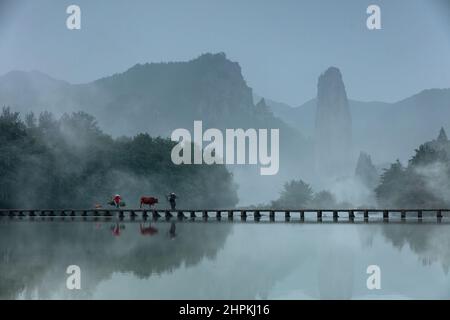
x,y
24,90
399,126
153,97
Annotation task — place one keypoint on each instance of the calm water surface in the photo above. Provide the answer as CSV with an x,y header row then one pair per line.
x,y
223,260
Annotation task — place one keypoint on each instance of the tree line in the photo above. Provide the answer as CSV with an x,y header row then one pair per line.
x,y
70,162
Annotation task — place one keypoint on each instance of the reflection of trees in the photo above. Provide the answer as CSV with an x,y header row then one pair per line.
x,y
336,272
34,256
431,242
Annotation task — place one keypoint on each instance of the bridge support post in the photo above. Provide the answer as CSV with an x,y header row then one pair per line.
x,y
257,214
193,214
155,214
168,214
419,214
439,216
230,215
351,215
272,215
205,214
319,215
180,215
366,214
219,214
287,215
335,215
243,215
403,215
385,214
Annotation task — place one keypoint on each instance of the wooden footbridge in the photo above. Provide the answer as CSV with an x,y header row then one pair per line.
x,y
256,214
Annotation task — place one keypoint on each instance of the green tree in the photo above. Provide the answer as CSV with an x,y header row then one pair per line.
x,y
392,182
415,185
13,139
426,154
296,194
324,199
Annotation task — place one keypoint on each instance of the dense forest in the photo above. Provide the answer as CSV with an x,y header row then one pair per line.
x,y
70,163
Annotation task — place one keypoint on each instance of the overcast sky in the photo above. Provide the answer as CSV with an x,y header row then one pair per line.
x,y
281,45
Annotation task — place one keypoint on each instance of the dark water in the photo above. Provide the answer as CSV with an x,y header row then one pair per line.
x,y
222,260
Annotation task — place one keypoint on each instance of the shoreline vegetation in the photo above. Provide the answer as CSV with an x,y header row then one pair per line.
x,y
70,162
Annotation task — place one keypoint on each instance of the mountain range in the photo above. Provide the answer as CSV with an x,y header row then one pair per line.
x,y
154,97
386,130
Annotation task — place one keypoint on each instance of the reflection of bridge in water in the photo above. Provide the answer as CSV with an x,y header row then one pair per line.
x,y
317,214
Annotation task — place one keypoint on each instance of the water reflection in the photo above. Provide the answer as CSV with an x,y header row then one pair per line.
x,y
172,231
430,242
196,260
34,255
147,230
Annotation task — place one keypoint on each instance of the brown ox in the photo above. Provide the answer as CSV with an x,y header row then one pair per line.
x,y
151,201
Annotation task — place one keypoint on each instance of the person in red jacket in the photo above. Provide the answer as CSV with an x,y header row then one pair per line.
x,y
117,199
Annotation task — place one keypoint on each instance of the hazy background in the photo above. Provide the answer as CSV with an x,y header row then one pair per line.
x,y
278,50
282,46
226,56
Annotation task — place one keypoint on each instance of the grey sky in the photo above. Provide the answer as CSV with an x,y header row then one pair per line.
x,y
282,46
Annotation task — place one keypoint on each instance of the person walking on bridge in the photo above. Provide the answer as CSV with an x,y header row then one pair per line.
x,y
172,197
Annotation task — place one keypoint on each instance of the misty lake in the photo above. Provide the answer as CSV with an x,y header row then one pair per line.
x,y
223,260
